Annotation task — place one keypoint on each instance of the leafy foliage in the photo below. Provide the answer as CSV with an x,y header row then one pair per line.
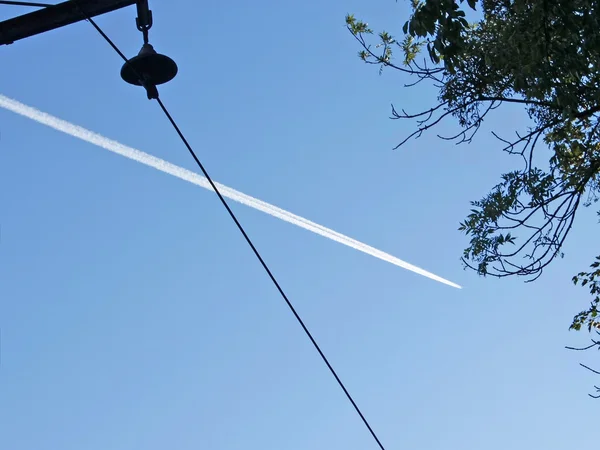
x,y
542,54
592,280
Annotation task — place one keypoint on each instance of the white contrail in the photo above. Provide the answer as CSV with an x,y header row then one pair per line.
x,y
187,175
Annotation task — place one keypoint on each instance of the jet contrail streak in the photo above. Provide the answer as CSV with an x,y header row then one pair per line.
x,y
187,175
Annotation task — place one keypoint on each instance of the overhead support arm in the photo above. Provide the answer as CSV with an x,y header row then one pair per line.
x,y
55,16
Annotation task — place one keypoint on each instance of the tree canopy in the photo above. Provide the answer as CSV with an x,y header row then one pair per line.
x,y
543,54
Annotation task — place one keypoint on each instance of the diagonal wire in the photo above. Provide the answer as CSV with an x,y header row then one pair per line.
x,y
249,241
270,274
34,5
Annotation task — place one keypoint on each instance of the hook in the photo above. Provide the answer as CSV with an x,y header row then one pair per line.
x,y
144,19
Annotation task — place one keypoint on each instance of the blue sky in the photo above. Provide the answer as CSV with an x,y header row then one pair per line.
x,y
133,315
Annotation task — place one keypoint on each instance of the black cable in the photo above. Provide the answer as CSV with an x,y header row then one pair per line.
x,y
34,5
266,267
251,244
106,38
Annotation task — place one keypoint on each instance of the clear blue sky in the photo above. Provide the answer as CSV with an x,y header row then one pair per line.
x,y
133,315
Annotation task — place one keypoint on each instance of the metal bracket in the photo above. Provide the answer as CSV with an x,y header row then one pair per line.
x,y
55,16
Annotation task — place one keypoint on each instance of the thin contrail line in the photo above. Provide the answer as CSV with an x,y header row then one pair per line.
x,y
187,175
